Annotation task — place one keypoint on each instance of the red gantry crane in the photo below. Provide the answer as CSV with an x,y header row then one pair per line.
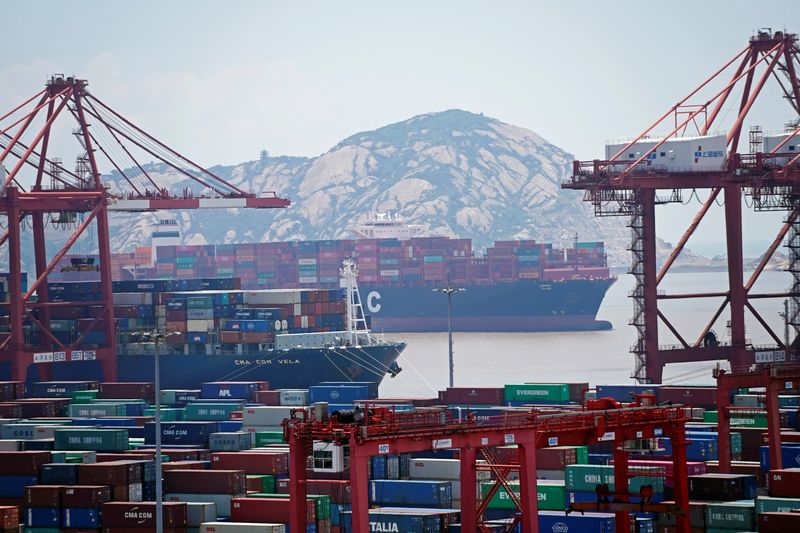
x,y
655,169
81,200
379,431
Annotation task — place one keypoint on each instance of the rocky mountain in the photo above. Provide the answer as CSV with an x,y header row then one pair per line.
x,y
457,173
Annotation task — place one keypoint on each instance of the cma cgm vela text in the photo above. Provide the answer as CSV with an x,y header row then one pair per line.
x,y
520,285
212,331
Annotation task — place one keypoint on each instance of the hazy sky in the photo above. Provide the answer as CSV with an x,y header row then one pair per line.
x,y
222,80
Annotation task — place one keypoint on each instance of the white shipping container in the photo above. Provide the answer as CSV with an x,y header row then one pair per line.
x,y
772,141
390,273
311,261
440,469
241,527
199,314
10,445
307,279
677,154
199,512
287,296
133,298
748,400
265,415
297,309
255,429
550,474
199,325
221,501
294,397
135,492
304,321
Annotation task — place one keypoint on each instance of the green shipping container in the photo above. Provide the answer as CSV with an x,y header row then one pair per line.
x,y
199,302
83,396
551,495
168,414
210,411
98,440
754,420
740,516
767,504
537,392
585,478
91,410
264,438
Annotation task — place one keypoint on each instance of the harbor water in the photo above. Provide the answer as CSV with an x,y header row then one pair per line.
x,y
486,359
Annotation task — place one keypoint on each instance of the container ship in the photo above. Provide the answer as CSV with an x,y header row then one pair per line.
x,y
519,285
213,330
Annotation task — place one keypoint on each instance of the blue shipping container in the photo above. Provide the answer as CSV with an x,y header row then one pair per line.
x,y
14,486
790,455
180,432
59,474
624,393
412,493
576,523
78,517
43,517
229,389
338,393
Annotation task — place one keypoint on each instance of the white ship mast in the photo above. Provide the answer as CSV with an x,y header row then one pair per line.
x,y
356,321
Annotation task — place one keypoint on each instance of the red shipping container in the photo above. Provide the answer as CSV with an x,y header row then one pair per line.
x,y
10,390
23,463
85,495
339,492
9,517
117,515
778,522
473,395
10,410
185,465
43,496
267,510
784,483
125,390
786,437
36,408
110,473
555,458
251,462
268,397
205,481
705,397
187,455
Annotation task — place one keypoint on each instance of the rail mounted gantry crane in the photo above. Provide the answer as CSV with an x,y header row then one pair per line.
x,y
382,431
80,201
647,171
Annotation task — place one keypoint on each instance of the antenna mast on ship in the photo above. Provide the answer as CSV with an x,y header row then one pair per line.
x,y
356,321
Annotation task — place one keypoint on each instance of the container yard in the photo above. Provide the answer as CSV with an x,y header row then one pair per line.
x,y
79,455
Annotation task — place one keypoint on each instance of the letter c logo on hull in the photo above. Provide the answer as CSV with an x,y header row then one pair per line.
x,y
373,302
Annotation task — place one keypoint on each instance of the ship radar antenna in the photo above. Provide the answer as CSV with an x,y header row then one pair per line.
x,y
356,320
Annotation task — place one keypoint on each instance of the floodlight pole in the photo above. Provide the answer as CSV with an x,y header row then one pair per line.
x,y
449,291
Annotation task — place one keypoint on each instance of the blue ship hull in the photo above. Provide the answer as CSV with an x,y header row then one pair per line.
x,y
522,305
283,369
